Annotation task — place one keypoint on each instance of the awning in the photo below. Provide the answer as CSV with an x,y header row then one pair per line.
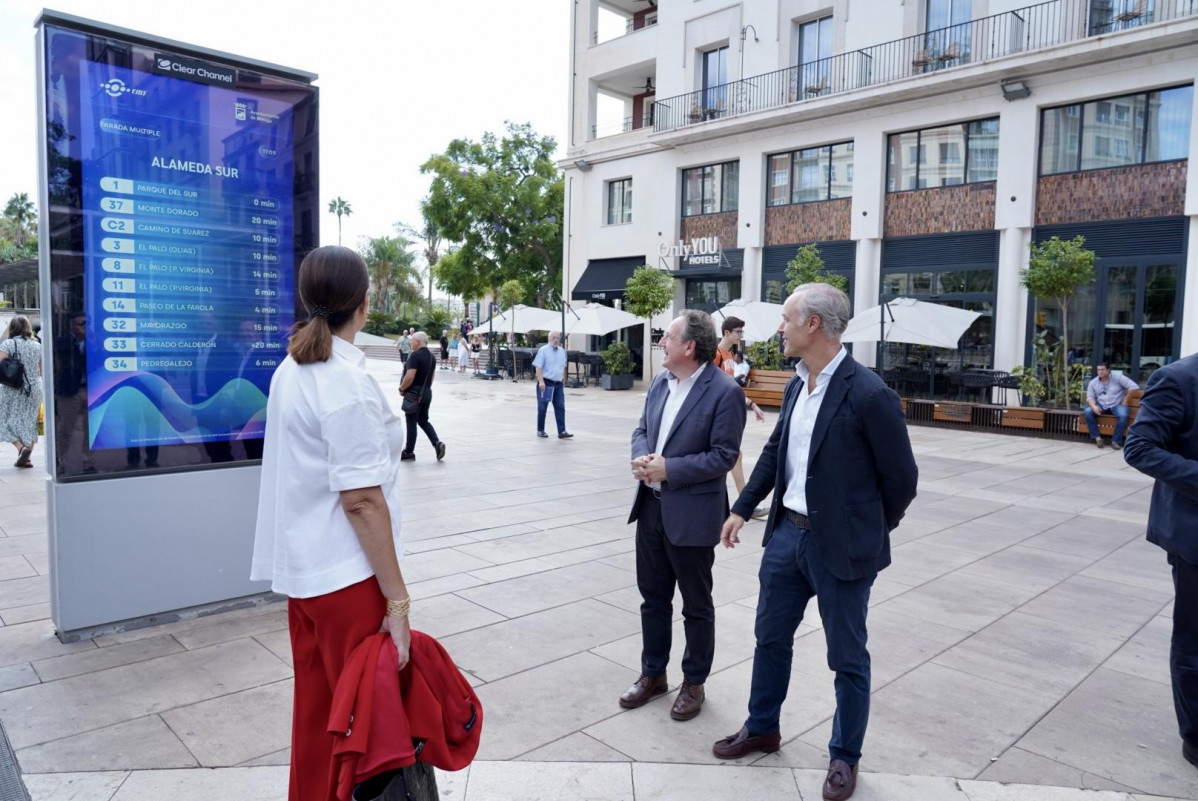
x,y
16,272
605,279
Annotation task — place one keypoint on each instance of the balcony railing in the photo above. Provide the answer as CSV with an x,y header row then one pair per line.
x,y
616,128
1012,32
630,26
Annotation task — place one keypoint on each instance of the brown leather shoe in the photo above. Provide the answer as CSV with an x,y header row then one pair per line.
x,y
689,702
643,689
841,781
742,743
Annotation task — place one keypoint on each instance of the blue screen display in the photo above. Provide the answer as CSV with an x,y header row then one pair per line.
x,y
184,177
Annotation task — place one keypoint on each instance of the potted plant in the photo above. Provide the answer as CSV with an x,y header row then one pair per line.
x,y
647,293
617,367
1056,270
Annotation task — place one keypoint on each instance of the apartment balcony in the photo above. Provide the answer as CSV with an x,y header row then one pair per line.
x,y
1011,33
627,125
630,26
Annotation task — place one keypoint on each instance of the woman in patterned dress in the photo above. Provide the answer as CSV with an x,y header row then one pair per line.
x,y
19,406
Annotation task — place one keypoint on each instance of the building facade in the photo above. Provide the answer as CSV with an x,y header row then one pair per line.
x,y
924,145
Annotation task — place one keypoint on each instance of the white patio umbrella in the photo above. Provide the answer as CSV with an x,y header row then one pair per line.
x,y
524,318
761,319
910,321
591,318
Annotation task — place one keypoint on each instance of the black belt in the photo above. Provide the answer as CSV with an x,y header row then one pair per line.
x,y
799,520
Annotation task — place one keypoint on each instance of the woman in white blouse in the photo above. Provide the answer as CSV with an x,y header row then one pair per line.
x,y
328,534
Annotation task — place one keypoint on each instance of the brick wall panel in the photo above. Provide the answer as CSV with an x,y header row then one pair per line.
x,y
722,225
948,209
1119,193
822,221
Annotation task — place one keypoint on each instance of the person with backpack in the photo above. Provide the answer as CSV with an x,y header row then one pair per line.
x,y
20,388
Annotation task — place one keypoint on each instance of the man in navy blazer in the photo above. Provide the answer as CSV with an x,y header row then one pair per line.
x,y
1163,443
841,468
687,441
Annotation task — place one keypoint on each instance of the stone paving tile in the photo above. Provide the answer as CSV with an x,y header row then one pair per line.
x,y
235,728
420,567
142,744
25,614
1019,766
524,711
1033,569
23,545
1119,727
21,674
1099,606
71,706
511,646
534,545
443,615
985,791
282,757
577,747
12,567
244,784
940,722
26,642
234,629
882,787
75,786
278,643
916,563
689,782
565,781
1092,538
960,601
24,591
181,626
1140,563
1146,655
96,659
441,586
522,596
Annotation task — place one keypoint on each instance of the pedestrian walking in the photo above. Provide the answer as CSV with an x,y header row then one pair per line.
x,y
732,341
1163,443
444,350
21,401
476,350
404,345
328,527
550,365
839,490
416,387
687,440
454,341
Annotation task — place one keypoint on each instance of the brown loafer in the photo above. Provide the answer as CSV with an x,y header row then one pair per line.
x,y
689,702
841,781
742,743
643,689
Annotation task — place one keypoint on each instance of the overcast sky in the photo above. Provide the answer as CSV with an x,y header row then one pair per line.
x,y
397,81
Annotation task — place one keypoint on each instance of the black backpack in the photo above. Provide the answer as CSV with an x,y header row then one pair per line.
x,y
12,371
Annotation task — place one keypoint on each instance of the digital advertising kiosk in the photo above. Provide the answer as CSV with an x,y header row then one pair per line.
x,y
179,194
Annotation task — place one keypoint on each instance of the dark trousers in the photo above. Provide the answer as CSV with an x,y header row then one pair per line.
x,y
791,572
660,566
1183,656
1121,414
421,419
555,391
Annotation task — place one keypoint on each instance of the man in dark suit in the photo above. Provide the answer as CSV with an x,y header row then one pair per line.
x,y
687,441
841,468
1163,443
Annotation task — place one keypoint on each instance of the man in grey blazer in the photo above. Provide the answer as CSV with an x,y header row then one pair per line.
x,y
687,441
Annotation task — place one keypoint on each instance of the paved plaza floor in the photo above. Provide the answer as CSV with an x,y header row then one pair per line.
x,y
1020,639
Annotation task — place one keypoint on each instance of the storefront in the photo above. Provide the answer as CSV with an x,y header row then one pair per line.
x,y
840,258
712,280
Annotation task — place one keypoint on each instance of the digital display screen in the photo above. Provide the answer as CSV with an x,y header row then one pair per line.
x,y
183,196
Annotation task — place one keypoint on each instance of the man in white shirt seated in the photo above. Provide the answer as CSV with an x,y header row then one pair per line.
x,y
1106,395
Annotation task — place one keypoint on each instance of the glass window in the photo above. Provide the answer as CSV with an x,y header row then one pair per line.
x,y
950,153
692,192
904,161
730,186
1134,129
1169,124
841,184
982,147
619,201
815,52
811,175
895,285
934,173
711,189
715,79
779,191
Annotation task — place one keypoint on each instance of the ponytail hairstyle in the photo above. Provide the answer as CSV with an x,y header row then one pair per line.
x,y
332,285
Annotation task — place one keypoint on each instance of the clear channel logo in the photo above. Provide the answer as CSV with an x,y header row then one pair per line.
x,y
115,87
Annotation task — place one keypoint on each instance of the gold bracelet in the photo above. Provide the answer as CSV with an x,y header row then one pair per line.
x,y
399,608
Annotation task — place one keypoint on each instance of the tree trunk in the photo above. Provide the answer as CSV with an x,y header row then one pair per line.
x,y
1064,302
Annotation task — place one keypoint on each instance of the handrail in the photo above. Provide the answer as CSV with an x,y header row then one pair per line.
x,y
1027,29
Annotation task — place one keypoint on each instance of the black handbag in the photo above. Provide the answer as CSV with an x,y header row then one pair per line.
x,y
411,399
416,782
12,372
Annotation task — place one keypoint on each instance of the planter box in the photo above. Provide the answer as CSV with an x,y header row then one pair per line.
x,y
953,412
616,381
1023,417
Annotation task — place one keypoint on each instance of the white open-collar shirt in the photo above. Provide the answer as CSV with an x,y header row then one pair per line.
x,y
802,426
329,428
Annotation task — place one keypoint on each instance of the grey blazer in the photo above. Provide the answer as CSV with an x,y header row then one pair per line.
x,y
701,448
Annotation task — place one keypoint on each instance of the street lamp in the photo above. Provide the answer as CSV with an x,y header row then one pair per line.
x,y
744,32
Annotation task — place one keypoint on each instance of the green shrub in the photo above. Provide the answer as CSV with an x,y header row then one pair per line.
x,y
766,355
617,360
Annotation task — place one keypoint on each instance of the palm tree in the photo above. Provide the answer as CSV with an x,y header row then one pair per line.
x,y
390,263
19,215
340,207
431,237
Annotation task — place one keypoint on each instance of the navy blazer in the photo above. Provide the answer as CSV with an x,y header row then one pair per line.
x,y
1163,443
702,446
861,475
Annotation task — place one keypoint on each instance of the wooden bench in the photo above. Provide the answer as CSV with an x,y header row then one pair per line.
x,y
765,388
1106,422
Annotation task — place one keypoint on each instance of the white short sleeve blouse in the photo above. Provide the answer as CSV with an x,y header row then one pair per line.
x,y
329,428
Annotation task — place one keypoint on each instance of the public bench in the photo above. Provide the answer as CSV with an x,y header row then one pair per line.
x,y
765,387
1106,422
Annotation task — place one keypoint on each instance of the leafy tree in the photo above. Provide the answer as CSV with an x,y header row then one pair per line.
x,y
392,270
19,218
511,293
647,293
428,234
377,323
807,267
501,200
1056,269
341,208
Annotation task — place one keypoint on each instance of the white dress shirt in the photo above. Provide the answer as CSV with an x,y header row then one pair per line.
x,y
802,425
678,392
329,428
